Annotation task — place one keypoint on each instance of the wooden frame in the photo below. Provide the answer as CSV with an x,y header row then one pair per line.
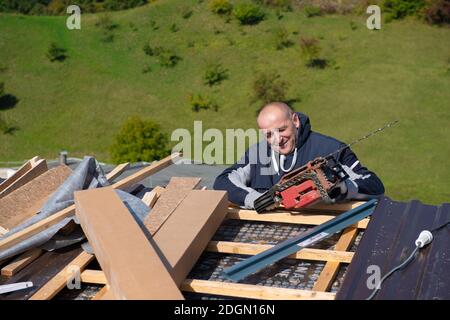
x,y
333,258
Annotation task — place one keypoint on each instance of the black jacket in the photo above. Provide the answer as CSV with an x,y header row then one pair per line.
x,y
255,172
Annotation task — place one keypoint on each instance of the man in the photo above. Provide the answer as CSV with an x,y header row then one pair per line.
x,y
290,144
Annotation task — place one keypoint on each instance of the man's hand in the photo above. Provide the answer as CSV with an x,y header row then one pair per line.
x,y
250,199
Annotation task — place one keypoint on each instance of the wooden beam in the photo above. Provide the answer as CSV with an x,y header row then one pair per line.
x,y
69,211
130,262
147,171
21,262
151,197
329,272
101,294
38,167
229,289
58,282
285,217
304,254
117,171
240,290
176,191
19,172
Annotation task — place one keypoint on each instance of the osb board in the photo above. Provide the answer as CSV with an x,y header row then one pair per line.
x,y
22,203
176,191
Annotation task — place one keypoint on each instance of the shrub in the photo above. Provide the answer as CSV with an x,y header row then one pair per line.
x,y
248,13
215,74
186,12
174,27
153,25
312,11
108,26
139,140
222,7
56,53
268,87
282,39
199,102
2,89
156,51
167,58
311,53
438,12
353,25
398,9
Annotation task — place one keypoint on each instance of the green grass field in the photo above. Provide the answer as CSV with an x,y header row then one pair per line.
x,y
400,72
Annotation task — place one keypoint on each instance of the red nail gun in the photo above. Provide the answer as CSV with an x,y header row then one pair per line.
x,y
316,181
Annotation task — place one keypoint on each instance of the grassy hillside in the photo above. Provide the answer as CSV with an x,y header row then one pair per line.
x,y
400,72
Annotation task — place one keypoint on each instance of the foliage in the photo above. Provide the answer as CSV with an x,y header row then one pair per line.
x,y
56,53
269,87
199,102
139,140
215,74
248,13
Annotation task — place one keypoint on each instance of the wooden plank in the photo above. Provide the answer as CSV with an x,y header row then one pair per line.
x,y
20,262
336,207
131,264
3,231
304,254
38,167
229,289
69,211
187,232
43,269
176,191
24,202
20,172
101,294
329,272
285,217
147,171
117,171
59,281
240,290
151,197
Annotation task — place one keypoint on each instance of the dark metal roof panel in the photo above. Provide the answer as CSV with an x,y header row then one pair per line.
x,y
389,240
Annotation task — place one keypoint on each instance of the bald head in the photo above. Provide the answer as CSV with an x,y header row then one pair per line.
x,y
279,124
275,109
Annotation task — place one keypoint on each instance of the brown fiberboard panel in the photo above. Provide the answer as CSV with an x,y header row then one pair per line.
x,y
24,202
187,232
132,266
176,191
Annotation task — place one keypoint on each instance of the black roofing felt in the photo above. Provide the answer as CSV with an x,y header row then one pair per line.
x,y
388,240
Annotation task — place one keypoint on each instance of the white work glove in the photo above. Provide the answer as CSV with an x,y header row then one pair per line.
x,y
249,201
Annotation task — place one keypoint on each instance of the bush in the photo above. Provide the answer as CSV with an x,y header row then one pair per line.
x,y
311,53
168,58
268,87
174,28
2,89
398,9
222,7
282,39
108,27
199,102
215,74
186,12
438,12
139,140
248,13
56,53
312,11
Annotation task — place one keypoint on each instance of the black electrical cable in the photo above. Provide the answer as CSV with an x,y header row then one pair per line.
x,y
403,264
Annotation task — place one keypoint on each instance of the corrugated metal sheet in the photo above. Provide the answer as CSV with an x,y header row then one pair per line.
x,y
389,240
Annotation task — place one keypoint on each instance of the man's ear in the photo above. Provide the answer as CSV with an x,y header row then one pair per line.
x,y
296,120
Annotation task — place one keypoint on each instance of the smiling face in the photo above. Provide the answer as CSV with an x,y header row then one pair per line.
x,y
279,125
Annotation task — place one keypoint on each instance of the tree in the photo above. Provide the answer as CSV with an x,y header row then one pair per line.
x,y
139,140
